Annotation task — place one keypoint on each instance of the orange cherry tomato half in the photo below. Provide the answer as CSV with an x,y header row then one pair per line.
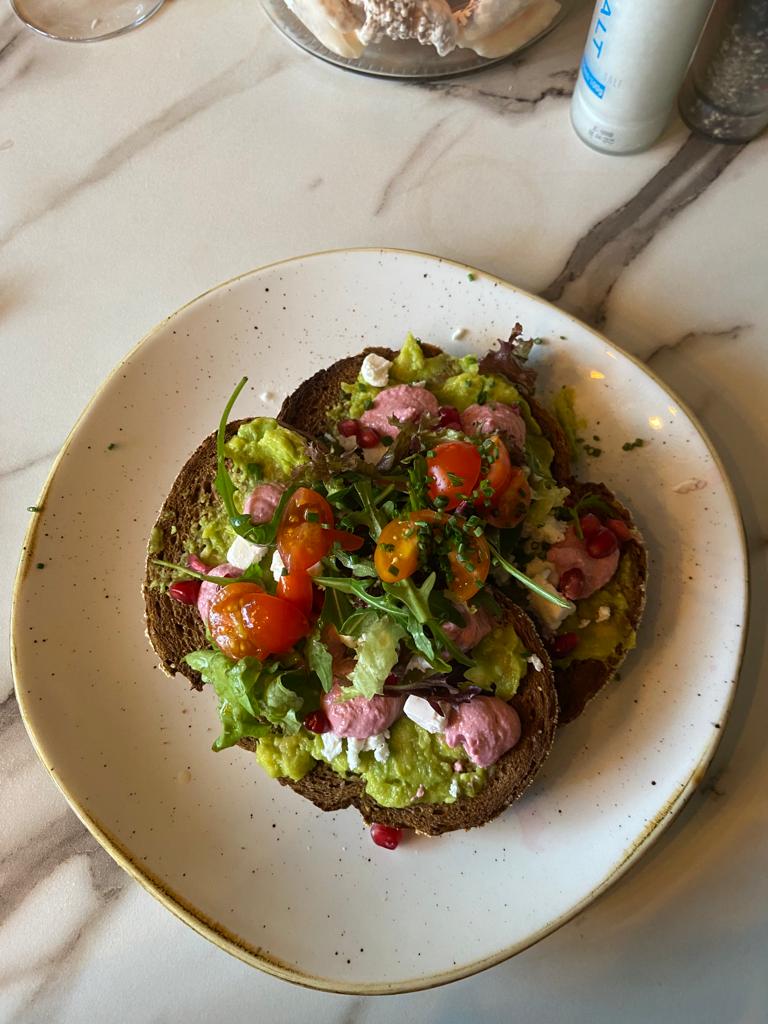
x,y
225,620
296,587
512,505
397,551
453,470
305,534
469,567
274,623
499,472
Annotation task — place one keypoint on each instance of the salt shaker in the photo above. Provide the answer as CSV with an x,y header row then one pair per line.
x,y
725,94
634,61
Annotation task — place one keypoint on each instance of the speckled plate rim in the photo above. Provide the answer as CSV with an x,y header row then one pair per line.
x,y
214,931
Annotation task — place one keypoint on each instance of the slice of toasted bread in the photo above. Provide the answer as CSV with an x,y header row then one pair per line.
x,y
582,680
535,703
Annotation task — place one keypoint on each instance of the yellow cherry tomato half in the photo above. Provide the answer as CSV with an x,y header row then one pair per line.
x,y
397,551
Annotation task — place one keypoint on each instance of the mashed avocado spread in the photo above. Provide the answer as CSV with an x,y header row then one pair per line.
x,y
599,640
260,450
416,758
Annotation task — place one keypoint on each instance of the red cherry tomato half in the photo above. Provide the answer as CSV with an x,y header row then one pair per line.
x,y
348,541
225,621
296,587
499,472
305,532
512,505
453,470
273,624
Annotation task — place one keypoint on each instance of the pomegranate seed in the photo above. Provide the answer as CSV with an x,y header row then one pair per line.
x,y
367,438
349,428
317,721
590,524
449,417
602,543
386,836
563,644
571,583
620,528
185,591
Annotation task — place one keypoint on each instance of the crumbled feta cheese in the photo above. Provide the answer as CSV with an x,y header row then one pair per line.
x,y
423,714
375,370
418,663
419,792
551,615
453,789
348,443
372,455
332,745
583,623
603,613
242,553
539,567
378,744
459,333
276,567
685,486
551,531
535,662
267,396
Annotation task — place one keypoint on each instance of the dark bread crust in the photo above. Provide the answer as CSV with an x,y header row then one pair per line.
x,y
535,703
582,680
175,629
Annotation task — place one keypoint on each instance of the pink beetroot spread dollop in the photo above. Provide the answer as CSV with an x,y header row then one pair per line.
x,y
261,503
495,418
403,402
477,624
571,553
486,727
358,717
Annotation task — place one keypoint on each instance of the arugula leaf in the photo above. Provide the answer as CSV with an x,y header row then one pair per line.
x,y
223,481
252,696
253,572
417,600
356,565
371,514
526,580
319,659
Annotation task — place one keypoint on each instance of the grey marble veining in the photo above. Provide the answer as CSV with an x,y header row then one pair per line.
x,y
219,148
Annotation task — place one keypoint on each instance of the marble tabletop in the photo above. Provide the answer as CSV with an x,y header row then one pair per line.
x,y
135,174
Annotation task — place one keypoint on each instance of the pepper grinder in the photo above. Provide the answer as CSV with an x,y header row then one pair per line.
x,y
725,94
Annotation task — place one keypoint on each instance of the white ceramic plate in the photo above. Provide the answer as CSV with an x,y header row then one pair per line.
x,y
252,866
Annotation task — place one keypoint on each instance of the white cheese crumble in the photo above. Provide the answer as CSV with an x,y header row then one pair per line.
x,y
348,443
423,714
242,553
459,333
419,792
539,567
603,613
583,623
276,566
550,614
332,745
535,662
453,789
686,486
375,370
378,744
418,663
372,455
267,396
551,531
